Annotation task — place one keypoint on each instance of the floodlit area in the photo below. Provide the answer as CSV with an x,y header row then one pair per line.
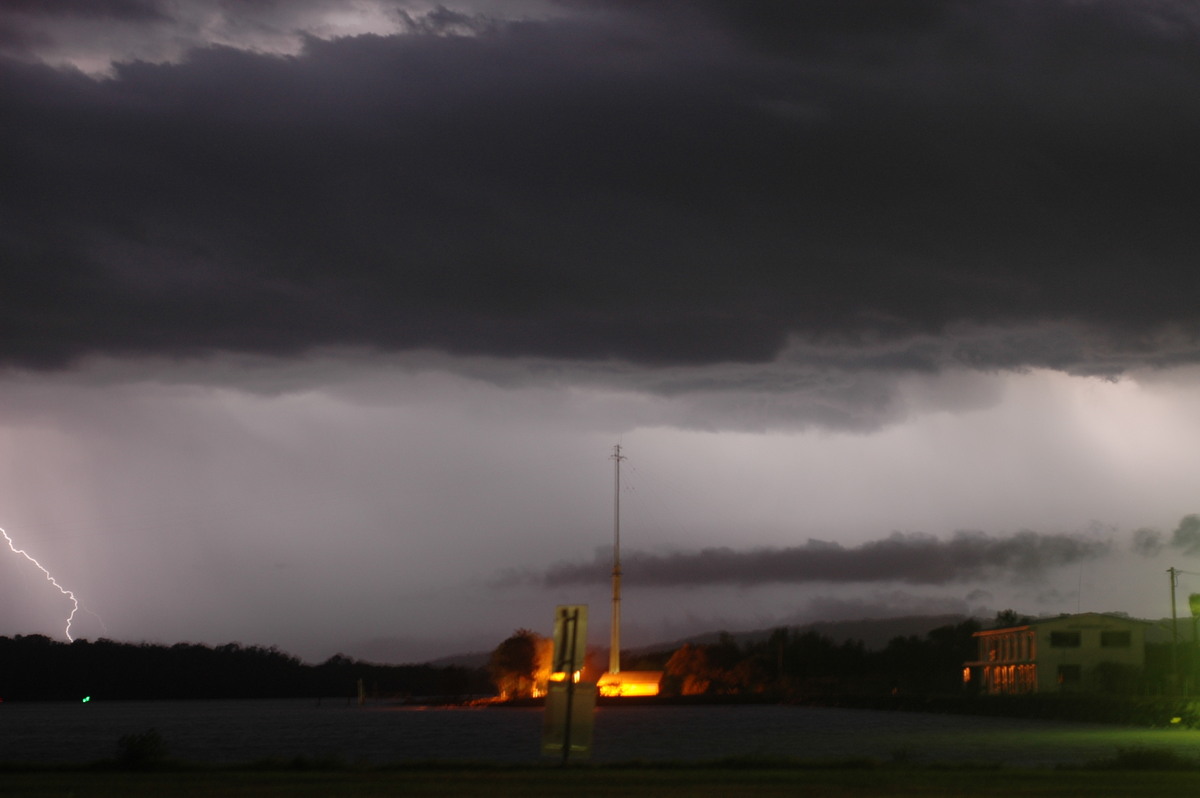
x,y
629,684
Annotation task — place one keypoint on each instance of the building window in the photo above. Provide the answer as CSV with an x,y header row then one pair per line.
x,y
1070,674
1065,639
1115,639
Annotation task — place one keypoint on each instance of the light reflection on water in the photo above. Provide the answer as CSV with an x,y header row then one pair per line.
x,y
242,731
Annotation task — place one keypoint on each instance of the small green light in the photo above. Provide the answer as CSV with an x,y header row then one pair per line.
x,y
87,698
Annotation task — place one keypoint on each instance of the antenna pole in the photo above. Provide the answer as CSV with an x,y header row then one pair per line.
x,y
614,648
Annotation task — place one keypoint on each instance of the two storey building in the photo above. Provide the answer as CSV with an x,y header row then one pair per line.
x,y
1069,653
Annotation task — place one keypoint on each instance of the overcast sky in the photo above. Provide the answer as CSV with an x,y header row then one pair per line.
x,y
319,320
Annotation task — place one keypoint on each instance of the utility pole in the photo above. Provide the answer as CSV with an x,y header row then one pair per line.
x,y
614,649
1174,574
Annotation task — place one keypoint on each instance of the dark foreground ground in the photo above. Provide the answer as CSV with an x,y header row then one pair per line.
x,y
659,782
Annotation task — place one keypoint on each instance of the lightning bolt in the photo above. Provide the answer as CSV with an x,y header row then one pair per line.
x,y
50,579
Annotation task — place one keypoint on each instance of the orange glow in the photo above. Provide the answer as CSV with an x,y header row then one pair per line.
x,y
541,674
629,683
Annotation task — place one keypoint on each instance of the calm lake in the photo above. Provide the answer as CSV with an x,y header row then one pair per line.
x,y
242,731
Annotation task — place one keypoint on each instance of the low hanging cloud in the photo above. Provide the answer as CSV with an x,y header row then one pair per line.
x,y
909,558
1185,539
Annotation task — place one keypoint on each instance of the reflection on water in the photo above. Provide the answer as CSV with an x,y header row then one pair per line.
x,y
240,731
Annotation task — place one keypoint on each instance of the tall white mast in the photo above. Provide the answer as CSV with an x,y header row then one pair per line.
x,y
614,648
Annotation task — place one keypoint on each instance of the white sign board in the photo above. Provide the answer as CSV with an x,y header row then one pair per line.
x,y
570,638
570,705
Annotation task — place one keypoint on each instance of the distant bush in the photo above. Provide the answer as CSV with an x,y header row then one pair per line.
x,y
141,751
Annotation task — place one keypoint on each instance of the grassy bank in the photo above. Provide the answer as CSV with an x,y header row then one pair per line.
x,y
731,779
1146,711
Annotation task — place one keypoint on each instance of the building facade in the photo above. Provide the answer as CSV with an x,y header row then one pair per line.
x,y
1072,653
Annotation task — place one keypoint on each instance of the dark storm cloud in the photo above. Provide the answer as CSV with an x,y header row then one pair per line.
x,y
659,183
21,33
1147,542
913,559
1185,538
1187,535
86,9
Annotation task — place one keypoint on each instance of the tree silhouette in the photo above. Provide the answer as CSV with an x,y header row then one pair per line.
x,y
35,668
513,664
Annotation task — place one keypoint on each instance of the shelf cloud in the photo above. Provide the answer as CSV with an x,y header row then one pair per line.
x,y
658,184
316,314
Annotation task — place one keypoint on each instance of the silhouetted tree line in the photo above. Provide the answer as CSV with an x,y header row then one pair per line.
x,y
36,668
791,663
794,664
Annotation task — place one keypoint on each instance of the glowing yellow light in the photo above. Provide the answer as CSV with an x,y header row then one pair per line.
x,y
630,683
